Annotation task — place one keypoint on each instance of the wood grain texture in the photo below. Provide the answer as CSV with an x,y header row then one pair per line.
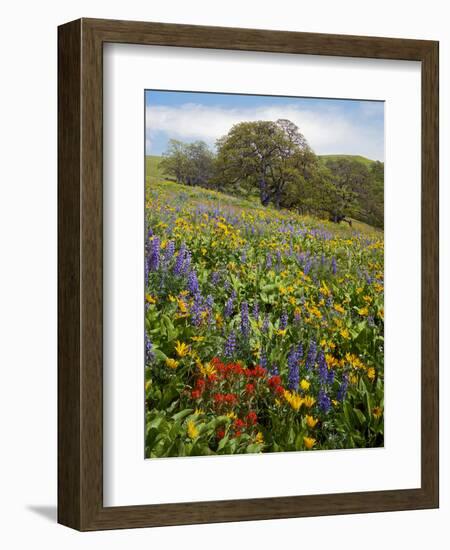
x,y
69,244
80,264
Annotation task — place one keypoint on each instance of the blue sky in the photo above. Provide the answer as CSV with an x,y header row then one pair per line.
x,y
330,125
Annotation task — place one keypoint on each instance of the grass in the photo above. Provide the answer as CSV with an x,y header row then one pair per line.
x,y
363,160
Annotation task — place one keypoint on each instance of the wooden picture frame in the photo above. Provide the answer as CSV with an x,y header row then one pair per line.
x,y
80,271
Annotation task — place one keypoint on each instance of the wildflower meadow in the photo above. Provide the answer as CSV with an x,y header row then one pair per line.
x,y
263,326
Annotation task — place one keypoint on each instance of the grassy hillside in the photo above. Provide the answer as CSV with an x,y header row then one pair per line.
x,y
160,184
363,160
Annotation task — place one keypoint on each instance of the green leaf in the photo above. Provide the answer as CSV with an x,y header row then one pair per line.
x,y
182,414
360,416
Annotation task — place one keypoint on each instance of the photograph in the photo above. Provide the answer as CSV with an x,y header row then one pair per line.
x,y
264,274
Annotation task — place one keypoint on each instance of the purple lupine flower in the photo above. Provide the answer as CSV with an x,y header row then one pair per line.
x,y
263,358
278,260
269,261
297,315
307,267
244,256
323,401
197,309
343,387
371,321
274,370
229,306
323,368
330,378
245,321
177,268
333,265
294,373
265,325
192,282
215,277
230,345
149,354
187,263
312,354
283,320
255,311
170,251
154,254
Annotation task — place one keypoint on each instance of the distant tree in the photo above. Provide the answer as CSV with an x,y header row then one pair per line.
x,y
348,189
188,163
200,164
268,156
175,161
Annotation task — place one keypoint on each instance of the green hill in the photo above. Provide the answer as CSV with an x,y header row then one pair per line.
x,y
363,160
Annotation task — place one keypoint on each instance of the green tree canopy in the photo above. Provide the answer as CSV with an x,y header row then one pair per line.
x,y
268,156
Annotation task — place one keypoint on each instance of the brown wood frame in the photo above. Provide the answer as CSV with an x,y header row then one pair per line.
x,y
80,265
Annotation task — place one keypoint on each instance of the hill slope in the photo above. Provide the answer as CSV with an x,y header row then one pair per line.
x,y
363,160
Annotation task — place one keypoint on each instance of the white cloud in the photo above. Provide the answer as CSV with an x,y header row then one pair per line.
x,y
327,131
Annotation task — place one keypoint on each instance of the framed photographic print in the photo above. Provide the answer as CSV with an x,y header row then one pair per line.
x,y
248,274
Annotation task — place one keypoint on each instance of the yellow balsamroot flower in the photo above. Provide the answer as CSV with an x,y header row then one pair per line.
x,y
172,298
304,384
309,442
331,360
359,290
259,438
353,379
197,338
182,349
219,320
371,373
368,299
311,421
182,305
378,288
281,332
294,399
377,412
345,333
192,429
339,308
172,363
308,401
207,369
364,311
150,299
325,290
199,412
283,290
231,415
